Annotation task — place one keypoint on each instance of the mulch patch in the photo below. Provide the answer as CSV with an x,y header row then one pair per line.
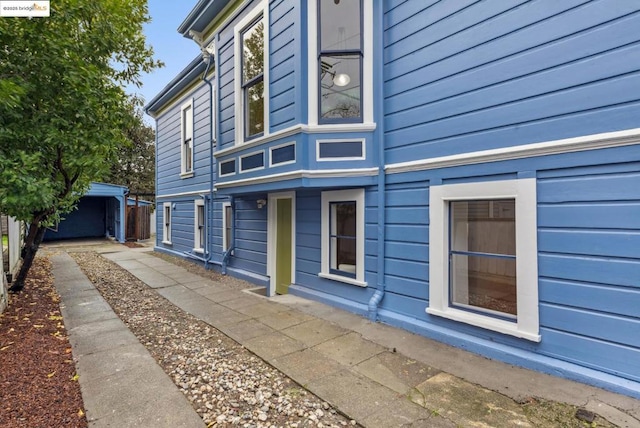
x,y
38,382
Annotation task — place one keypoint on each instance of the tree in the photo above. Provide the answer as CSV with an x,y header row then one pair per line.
x,y
134,166
63,107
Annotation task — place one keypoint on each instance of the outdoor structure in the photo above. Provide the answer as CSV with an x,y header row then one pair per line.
x,y
100,213
11,233
469,171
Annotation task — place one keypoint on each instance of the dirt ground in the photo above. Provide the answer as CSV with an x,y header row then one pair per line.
x,y
38,382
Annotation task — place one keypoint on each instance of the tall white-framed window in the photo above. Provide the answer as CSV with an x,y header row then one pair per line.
x,y
186,140
166,223
483,255
199,226
251,36
227,224
340,61
342,240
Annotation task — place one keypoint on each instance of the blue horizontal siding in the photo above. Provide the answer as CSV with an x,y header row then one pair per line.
x,y
465,76
590,296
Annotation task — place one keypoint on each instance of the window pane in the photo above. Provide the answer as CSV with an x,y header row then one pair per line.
x,y
484,282
227,225
187,156
343,237
253,52
340,89
340,24
254,116
484,226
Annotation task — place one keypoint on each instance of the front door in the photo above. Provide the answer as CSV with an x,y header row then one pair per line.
x,y
283,244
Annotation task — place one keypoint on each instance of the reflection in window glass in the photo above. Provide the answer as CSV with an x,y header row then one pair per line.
x,y
342,239
253,78
483,255
340,60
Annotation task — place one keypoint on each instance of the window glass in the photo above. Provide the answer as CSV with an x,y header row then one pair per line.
x,y
339,24
227,227
253,79
342,239
201,228
483,255
340,88
340,60
254,114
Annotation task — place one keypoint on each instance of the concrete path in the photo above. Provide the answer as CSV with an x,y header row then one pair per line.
x,y
121,384
379,375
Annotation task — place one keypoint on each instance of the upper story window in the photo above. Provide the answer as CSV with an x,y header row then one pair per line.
x,y
186,150
340,53
340,61
251,75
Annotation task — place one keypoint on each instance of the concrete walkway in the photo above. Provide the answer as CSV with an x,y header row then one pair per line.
x,y
378,375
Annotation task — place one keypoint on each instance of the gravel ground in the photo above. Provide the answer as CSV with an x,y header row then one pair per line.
x,y
226,384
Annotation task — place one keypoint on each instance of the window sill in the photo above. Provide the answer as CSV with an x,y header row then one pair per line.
x,y
342,279
198,250
184,175
167,242
504,327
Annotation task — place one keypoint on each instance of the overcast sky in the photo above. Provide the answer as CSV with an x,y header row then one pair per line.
x,y
169,46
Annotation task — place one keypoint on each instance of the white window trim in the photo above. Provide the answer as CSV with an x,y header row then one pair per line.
x,y
166,230
261,8
198,247
524,193
224,225
367,62
280,146
220,174
339,141
258,168
183,171
356,195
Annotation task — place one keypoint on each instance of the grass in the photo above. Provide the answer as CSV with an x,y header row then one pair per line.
x,y
5,241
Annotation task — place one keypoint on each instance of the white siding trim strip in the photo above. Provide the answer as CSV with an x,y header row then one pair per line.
x,y
175,195
568,145
296,129
327,173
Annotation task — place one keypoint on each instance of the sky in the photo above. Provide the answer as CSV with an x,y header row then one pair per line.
x,y
169,46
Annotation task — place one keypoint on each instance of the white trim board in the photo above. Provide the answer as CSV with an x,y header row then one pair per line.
x,y
327,173
176,195
589,142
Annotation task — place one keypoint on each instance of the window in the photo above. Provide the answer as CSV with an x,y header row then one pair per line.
x,y
483,255
227,222
251,75
166,219
341,62
199,233
343,236
186,151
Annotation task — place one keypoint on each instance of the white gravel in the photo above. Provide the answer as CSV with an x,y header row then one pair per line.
x,y
226,383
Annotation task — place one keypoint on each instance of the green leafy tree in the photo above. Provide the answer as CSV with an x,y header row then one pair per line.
x,y
63,108
134,166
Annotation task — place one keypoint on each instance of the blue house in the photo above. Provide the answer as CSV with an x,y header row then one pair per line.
x,y
469,171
